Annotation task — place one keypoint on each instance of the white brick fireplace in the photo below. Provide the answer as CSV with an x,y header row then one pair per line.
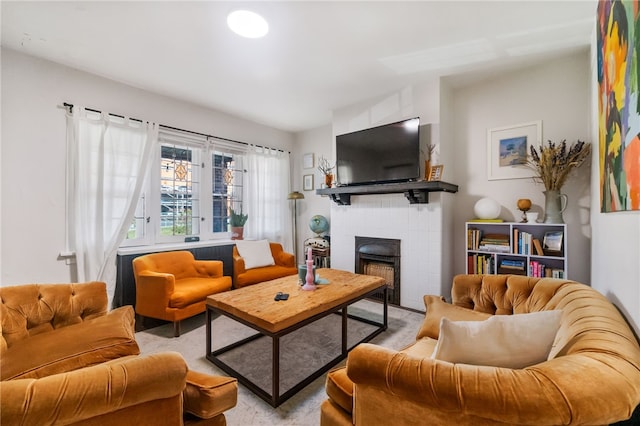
x,y
423,229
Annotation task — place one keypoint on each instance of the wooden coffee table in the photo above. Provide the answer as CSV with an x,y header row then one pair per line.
x,y
255,307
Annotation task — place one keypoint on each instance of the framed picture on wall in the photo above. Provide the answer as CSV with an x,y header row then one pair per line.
x,y
307,183
508,148
307,161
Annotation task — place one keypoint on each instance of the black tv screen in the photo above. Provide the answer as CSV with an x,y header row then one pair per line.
x,y
388,153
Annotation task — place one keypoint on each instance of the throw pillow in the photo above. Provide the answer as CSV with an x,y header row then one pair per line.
x,y
438,308
255,253
510,341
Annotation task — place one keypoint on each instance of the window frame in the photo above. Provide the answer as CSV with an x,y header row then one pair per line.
x,y
150,199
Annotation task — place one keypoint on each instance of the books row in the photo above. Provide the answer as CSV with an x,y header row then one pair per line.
x,y
488,242
532,269
525,243
481,264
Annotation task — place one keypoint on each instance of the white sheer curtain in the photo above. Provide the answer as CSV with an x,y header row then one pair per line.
x,y
107,160
266,196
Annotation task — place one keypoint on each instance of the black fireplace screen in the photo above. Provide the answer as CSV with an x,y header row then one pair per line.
x,y
380,257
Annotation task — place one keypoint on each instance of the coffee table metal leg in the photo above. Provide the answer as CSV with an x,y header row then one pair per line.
x,y
385,315
275,386
345,317
208,320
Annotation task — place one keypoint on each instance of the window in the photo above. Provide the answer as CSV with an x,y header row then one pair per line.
x,y
179,200
179,190
227,187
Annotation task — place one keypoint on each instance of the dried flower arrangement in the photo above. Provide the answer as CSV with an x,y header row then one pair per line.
x,y
553,163
431,148
324,166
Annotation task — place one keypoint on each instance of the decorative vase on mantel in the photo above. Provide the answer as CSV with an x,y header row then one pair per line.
x,y
328,179
554,204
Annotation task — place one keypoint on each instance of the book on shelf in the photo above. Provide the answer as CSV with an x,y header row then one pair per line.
x,y
486,220
538,247
495,247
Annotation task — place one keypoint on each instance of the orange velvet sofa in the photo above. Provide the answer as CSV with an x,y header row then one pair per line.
x,y
284,265
65,360
172,285
591,375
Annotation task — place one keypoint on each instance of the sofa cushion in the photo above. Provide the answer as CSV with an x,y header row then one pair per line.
x,y
437,308
339,388
510,341
255,253
188,291
69,348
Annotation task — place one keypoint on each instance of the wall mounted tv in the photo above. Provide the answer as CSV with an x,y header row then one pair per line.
x,y
383,154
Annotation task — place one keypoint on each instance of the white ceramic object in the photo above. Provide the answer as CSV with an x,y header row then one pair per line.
x,y
532,217
487,208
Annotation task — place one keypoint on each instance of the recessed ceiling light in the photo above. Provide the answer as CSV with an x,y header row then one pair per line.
x,y
247,24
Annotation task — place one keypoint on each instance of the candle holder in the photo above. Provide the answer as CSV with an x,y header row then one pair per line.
x,y
524,205
310,279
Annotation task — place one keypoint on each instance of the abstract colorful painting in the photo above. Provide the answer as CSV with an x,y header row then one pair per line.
x,y
618,37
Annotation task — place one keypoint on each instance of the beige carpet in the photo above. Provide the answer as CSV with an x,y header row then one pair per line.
x,y
299,350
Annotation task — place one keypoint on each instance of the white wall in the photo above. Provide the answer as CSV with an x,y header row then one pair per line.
x,y
615,246
33,153
556,92
319,143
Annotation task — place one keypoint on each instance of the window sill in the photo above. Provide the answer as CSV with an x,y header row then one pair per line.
x,y
173,246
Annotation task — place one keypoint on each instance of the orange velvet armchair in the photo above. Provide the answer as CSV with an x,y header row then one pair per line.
x,y
172,286
66,360
284,265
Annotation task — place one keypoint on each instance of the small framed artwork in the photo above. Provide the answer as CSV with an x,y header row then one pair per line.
x,y
307,182
508,148
435,172
552,243
307,161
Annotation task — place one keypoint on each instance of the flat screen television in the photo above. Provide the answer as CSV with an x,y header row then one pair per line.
x,y
383,154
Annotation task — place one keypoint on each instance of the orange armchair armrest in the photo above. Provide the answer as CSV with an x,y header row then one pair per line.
x,y
153,292
281,257
238,264
92,391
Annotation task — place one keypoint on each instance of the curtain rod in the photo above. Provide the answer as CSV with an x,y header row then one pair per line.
x,y
69,106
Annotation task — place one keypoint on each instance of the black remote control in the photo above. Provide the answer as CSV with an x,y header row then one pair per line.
x,y
281,296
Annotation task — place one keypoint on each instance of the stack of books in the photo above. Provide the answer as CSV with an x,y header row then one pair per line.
x,y
512,266
498,243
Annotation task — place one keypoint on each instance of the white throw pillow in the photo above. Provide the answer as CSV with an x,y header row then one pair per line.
x,y
510,341
255,253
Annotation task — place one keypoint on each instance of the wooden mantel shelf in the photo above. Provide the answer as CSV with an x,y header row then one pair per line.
x,y
415,192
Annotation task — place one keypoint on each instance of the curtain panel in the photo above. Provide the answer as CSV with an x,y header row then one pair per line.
x,y
107,160
268,175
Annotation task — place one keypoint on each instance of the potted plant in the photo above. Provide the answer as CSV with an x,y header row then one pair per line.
x,y
237,221
325,167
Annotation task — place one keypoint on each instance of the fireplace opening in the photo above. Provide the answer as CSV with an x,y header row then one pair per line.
x,y
380,257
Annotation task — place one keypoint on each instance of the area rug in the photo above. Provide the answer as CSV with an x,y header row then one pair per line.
x,y
302,352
